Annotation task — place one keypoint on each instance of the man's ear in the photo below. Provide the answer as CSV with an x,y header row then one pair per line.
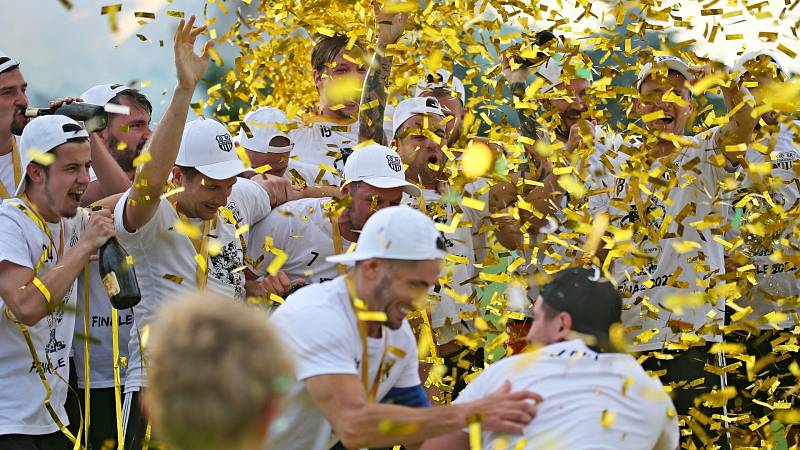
x,y
317,75
36,173
565,327
177,176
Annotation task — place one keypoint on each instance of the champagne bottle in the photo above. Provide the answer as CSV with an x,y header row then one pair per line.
x,y
118,275
94,118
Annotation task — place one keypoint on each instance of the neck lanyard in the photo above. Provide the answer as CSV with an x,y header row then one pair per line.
x,y
200,245
338,248
358,307
4,193
37,219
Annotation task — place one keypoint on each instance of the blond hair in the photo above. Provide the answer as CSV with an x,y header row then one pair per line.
x,y
216,369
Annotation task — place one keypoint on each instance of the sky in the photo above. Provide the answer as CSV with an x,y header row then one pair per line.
x,y
63,52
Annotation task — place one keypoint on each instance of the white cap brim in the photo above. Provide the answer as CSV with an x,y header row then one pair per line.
x,y
390,182
672,64
222,170
354,257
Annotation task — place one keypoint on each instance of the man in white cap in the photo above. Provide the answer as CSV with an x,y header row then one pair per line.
x,y
663,188
310,230
419,136
763,320
193,236
352,345
13,101
265,137
45,241
594,395
124,136
449,90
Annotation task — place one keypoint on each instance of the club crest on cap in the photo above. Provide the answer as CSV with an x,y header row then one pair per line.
x,y
395,163
224,142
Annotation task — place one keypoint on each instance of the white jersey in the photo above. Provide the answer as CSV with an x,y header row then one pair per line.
x,y
676,253
454,309
7,170
101,350
22,393
320,329
303,230
776,279
165,263
327,145
310,173
597,401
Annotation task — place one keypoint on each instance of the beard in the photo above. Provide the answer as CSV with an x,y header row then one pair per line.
x,y
124,157
383,295
18,123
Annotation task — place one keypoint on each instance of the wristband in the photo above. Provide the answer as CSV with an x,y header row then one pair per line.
x,y
42,288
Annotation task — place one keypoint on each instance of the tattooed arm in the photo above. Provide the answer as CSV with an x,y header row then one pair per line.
x,y
518,83
373,96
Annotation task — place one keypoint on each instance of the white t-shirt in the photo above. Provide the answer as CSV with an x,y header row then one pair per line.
x,y
320,329
665,271
165,264
775,279
101,351
22,393
452,315
7,171
318,142
302,230
591,400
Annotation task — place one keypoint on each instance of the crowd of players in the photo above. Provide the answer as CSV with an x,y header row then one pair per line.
x,y
359,218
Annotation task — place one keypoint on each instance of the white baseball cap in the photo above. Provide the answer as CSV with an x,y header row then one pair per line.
x,y
672,63
208,147
378,166
397,232
103,93
442,79
410,107
755,55
7,62
262,125
43,134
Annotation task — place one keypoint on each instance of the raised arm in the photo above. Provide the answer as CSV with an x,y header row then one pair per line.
x,y
361,424
373,96
740,127
163,146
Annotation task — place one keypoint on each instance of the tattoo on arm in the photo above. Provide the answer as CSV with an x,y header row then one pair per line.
x,y
373,100
527,124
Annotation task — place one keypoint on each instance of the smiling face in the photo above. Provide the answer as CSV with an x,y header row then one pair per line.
x,y
61,184
417,146
572,106
202,196
335,85
652,98
399,286
13,101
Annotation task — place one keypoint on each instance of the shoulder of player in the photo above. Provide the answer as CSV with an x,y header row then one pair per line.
x,y
318,301
11,213
296,209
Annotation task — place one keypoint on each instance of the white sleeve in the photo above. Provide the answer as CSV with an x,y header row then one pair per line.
x,y
478,388
144,236
275,225
255,200
14,248
410,375
669,437
317,340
